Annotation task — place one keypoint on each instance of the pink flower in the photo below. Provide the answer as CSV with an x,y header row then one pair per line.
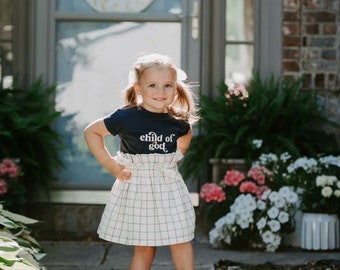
x,y
259,174
212,192
3,187
248,186
8,167
233,177
260,191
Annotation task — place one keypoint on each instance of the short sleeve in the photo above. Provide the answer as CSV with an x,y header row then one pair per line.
x,y
113,122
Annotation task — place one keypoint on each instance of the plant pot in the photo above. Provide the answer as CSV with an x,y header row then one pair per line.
x,y
320,231
220,166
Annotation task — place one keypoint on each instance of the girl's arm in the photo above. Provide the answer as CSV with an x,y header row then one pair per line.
x,y
94,136
184,142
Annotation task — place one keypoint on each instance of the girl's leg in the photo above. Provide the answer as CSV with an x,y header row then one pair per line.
x,y
142,258
183,256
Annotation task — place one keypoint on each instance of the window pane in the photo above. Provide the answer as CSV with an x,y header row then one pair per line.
x,y
239,20
239,63
92,65
132,6
6,50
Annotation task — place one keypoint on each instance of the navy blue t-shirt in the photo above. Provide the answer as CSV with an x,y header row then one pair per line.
x,y
145,132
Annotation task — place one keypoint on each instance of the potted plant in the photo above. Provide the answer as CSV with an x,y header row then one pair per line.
x,y
276,114
317,181
253,214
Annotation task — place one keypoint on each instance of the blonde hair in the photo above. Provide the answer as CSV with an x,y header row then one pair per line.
x,y
183,107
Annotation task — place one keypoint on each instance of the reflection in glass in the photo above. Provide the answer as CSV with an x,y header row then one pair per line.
x,y
239,63
240,20
92,65
131,6
6,50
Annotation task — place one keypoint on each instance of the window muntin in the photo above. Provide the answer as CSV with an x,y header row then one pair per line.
x,y
120,6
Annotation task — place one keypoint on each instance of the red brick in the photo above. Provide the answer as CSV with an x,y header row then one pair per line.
x,y
291,66
291,41
291,28
311,4
317,17
291,54
312,29
291,16
319,80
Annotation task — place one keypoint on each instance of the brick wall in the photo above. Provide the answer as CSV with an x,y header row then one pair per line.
x,y
311,50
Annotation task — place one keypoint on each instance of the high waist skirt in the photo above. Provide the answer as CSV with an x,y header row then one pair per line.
x,y
153,208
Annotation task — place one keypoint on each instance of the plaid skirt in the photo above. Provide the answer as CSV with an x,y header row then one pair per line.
x,y
153,208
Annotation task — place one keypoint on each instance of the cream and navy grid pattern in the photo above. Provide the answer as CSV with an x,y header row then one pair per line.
x,y
153,208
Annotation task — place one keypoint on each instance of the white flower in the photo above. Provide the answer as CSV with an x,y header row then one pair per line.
x,y
321,181
288,194
285,156
284,191
280,202
331,180
273,246
230,218
337,193
214,237
261,223
274,225
330,160
268,158
273,212
243,223
274,196
268,237
221,222
338,184
257,143
307,164
327,192
277,240
266,194
292,197
243,203
261,205
283,217
227,238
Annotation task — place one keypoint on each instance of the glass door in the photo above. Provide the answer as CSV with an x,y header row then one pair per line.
x,y
96,42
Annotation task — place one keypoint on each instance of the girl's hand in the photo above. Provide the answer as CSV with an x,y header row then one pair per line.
x,y
123,174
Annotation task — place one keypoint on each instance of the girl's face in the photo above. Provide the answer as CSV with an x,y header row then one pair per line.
x,y
157,86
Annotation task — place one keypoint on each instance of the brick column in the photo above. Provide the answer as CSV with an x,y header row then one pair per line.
x,y
311,49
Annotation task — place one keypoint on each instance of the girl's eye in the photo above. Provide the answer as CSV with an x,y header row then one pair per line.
x,y
168,85
152,85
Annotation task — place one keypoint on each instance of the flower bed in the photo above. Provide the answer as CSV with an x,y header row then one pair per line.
x,y
250,214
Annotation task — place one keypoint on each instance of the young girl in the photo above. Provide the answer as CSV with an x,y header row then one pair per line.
x,y
149,205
